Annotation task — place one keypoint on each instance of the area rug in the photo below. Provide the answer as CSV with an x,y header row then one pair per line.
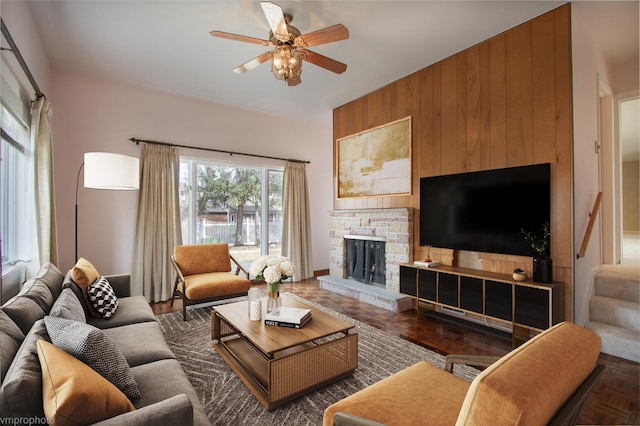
x,y
228,402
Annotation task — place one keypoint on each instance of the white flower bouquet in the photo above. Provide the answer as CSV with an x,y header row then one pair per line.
x,y
273,270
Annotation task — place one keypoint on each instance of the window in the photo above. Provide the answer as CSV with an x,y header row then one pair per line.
x,y
235,204
14,165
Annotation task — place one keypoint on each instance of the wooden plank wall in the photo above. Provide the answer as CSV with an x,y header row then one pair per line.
x,y
501,103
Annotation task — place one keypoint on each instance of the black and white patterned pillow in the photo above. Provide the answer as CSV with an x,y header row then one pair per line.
x,y
102,297
93,347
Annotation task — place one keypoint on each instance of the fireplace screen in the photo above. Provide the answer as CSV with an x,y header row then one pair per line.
x,y
365,261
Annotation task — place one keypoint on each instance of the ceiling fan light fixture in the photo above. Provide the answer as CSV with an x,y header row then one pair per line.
x,y
286,62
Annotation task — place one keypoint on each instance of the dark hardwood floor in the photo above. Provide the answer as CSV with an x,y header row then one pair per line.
x,y
614,401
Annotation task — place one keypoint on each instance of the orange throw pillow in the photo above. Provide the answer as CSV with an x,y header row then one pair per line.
x,y
74,394
84,274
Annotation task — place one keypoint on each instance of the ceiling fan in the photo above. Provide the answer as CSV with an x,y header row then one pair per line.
x,y
290,46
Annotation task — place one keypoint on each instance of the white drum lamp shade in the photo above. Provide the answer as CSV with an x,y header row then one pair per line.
x,y
104,170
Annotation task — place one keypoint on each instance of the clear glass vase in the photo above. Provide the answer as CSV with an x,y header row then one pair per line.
x,y
273,301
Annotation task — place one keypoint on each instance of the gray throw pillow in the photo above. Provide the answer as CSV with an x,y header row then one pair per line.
x,y
21,390
91,346
102,297
68,306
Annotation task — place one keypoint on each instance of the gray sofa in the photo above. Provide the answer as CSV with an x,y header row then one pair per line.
x,y
166,396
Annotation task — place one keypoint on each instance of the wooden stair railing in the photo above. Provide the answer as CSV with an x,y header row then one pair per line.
x,y
592,220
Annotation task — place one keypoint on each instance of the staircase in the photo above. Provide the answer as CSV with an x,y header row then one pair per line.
x,y
614,311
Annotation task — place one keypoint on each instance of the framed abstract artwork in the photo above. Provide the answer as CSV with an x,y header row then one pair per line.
x,y
376,162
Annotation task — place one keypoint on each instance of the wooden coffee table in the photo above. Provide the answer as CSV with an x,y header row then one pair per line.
x,y
279,364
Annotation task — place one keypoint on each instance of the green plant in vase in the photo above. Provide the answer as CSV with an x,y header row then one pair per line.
x,y
542,264
273,270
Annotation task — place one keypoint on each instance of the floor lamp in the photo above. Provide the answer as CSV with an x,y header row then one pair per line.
x,y
103,170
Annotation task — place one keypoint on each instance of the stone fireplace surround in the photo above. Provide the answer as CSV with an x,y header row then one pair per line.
x,y
395,227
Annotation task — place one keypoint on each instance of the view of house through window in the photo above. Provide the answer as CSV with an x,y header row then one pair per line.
x,y
234,204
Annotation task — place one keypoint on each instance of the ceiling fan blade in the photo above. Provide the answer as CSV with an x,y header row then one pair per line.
x,y
237,37
322,61
294,81
326,35
248,66
276,20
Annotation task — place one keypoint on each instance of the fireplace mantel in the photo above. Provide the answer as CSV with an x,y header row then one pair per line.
x,y
364,237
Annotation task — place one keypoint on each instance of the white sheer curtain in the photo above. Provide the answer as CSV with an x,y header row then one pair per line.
x,y
42,143
296,223
157,229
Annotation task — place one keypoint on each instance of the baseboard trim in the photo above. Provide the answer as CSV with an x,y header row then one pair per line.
x,y
320,273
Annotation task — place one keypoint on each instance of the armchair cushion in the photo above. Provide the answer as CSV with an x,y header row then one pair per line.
x,y
214,284
202,258
530,383
419,394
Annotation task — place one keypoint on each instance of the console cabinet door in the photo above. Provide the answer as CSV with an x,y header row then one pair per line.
x,y
408,284
427,282
471,294
498,300
532,307
448,289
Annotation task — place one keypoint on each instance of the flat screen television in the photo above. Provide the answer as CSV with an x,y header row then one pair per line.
x,y
486,210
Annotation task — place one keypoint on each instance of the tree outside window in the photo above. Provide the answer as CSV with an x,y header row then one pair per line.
x,y
226,205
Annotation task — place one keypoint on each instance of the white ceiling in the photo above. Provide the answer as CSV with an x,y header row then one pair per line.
x,y
166,45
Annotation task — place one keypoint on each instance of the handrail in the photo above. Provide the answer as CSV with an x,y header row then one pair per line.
x,y
592,220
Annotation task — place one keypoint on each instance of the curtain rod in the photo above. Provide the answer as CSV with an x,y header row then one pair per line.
x,y
13,48
138,141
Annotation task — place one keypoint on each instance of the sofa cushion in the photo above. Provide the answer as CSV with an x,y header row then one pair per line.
x,y
419,394
51,276
38,292
140,343
11,337
21,390
68,306
24,312
131,310
91,346
102,298
176,410
202,258
164,379
530,383
74,394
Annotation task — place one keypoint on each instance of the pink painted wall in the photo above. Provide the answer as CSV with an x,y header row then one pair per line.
x,y
93,114
17,18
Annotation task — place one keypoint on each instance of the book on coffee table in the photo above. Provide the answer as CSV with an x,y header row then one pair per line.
x,y
286,316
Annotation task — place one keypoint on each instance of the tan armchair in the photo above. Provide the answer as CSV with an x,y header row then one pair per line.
x,y
545,381
204,274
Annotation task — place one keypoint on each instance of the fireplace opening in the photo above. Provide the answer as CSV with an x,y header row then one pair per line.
x,y
365,260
